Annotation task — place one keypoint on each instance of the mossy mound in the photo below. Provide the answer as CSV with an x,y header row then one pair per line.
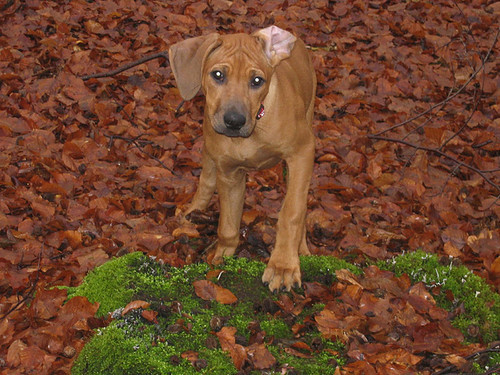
x,y
182,336
182,340
456,289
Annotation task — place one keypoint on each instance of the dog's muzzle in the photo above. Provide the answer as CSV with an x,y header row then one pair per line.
x,y
233,123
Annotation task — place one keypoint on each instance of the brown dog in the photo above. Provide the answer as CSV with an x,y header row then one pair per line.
x,y
241,75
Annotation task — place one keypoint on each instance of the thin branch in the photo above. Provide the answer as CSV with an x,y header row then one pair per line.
x,y
482,144
7,5
450,175
471,78
440,153
179,107
476,103
127,66
30,292
431,116
134,141
493,349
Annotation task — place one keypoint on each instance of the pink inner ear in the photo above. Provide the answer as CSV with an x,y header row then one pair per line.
x,y
279,42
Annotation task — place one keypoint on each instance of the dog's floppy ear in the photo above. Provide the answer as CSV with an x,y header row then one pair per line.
x,y
186,60
278,43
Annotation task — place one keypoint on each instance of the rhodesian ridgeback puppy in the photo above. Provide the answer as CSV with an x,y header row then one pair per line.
x,y
259,92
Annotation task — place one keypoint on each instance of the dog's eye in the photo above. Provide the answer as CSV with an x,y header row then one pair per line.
x,y
257,82
218,76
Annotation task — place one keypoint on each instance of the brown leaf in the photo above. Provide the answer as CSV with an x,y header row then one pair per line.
x,y
228,343
29,357
93,27
296,353
90,259
186,229
214,274
76,312
14,353
331,325
134,305
347,276
150,316
207,290
395,356
190,355
302,346
48,302
46,210
153,174
260,357
420,298
317,291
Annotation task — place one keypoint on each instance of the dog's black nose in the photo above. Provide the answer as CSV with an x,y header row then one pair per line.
x,y
234,120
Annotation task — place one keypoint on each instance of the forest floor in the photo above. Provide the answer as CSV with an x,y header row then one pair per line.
x,y
407,127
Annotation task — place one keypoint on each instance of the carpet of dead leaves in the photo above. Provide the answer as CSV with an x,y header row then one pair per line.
x,y
91,170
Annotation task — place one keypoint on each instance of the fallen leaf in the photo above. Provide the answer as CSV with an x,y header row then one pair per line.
x,y
228,343
207,290
134,305
347,276
260,357
150,316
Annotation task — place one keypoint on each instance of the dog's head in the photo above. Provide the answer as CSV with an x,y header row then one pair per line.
x,y
234,73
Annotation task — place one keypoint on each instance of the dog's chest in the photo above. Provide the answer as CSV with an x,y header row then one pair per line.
x,y
248,155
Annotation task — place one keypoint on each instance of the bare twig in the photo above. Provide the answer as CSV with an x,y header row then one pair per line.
x,y
440,153
134,141
179,107
7,5
482,144
495,348
431,116
462,88
30,292
476,102
127,66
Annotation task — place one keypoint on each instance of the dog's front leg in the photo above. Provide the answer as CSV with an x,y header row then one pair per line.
x,y
283,270
231,189
206,185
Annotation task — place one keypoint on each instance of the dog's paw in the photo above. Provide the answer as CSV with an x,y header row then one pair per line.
x,y
282,276
219,254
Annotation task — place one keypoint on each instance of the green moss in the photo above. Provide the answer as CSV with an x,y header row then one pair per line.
x,y
481,303
321,268
322,363
105,284
276,328
243,277
113,352
494,360
115,283
133,345
252,269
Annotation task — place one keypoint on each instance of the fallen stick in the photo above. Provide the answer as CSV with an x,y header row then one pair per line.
x,y
127,66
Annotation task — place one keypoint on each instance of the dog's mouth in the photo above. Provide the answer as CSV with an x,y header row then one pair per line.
x,y
233,133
